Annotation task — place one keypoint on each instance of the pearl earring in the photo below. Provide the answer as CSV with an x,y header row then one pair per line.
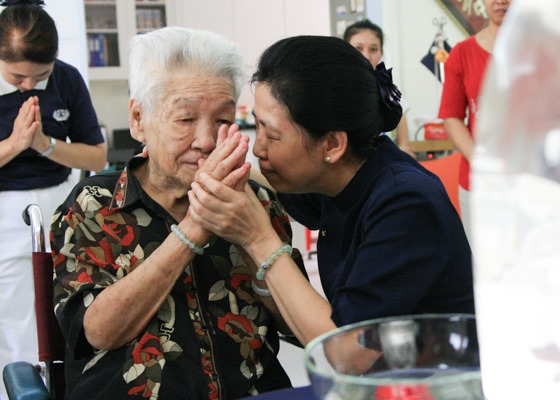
x,y
328,159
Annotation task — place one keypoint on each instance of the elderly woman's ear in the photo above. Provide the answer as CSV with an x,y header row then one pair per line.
x,y
135,121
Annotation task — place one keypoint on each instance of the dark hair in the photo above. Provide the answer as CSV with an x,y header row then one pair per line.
x,y
27,33
328,85
363,25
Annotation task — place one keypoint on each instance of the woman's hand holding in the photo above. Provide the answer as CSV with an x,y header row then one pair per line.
x,y
228,156
227,164
237,216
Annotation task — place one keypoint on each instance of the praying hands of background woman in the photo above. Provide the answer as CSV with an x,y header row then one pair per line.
x,y
26,130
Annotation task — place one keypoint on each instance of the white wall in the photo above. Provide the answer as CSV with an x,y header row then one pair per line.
x,y
68,16
409,32
255,24
70,24
252,24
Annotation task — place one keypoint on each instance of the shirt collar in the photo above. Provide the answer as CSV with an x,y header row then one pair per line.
x,y
7,88
128,189
367,175
129,192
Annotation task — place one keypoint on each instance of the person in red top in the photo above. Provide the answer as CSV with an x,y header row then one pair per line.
x,y
464,75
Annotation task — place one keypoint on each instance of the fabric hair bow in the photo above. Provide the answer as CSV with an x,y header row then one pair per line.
x,y
390,94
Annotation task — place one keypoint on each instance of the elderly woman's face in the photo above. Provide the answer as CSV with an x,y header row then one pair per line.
x,y
183,126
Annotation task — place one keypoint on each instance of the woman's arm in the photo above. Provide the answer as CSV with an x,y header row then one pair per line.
x,y
73,155
122,310
460,136
402,136
239,217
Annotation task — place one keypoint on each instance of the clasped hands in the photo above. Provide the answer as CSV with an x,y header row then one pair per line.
x,y
28,128
220,199
227,162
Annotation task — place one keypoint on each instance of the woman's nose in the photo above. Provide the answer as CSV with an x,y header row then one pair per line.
x,y
27,84
259,145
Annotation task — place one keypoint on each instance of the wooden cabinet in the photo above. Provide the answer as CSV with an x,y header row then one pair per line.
x,y
109,26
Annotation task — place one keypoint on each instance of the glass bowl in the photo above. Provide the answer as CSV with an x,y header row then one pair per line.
x,y
420,357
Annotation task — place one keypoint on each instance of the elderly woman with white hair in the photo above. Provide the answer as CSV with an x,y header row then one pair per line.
x,y
152,305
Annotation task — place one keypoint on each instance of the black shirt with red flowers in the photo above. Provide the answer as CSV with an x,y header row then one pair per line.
x,y
212,339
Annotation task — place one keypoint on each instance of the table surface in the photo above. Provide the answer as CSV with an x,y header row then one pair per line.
x,y
432,145
299,393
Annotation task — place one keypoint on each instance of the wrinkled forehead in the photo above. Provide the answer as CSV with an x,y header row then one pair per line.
x,y
190,92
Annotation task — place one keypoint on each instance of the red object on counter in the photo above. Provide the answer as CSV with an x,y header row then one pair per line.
x,y
403,392
434,131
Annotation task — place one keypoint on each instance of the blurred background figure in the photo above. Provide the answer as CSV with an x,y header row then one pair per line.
x,y
368,38
464,73
43,102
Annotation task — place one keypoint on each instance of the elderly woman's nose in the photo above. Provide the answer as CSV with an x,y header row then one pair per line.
x,y
205,137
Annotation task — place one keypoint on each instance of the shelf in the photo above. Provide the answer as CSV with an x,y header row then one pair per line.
x,y
150,17
101,16
103,31
103,50
110,24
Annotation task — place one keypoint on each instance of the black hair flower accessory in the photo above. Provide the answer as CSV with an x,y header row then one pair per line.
x,y
8,3
390,94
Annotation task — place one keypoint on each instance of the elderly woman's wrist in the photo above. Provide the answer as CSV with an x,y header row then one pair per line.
x,y
192,236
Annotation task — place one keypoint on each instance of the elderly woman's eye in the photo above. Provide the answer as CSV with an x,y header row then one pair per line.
x,y
225,121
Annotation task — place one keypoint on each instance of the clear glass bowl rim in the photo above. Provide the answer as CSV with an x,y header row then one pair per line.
x,y
369,381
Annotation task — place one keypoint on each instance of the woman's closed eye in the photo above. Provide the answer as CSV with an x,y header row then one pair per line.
x,y
271,136
185,119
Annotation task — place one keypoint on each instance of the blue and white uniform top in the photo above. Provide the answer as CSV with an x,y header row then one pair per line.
x,y
66,113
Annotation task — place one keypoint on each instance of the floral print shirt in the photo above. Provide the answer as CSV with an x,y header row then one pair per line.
x,y
212,339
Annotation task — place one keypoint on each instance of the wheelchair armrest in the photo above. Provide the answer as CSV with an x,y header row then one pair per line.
x,y
23,382
290,339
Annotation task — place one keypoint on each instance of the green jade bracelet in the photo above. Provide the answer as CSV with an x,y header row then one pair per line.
x,y
286,248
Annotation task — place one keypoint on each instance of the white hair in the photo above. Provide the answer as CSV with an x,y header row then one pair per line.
x,y
154,55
